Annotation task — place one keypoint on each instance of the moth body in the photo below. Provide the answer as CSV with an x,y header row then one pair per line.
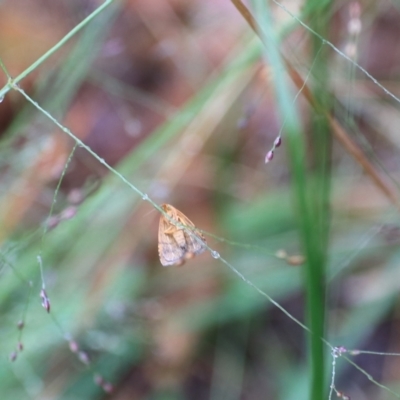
x,y
178,238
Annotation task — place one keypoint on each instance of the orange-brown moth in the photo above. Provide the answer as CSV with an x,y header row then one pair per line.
x,y
176,244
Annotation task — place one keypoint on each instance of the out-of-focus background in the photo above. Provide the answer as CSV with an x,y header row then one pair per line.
x,y
177,97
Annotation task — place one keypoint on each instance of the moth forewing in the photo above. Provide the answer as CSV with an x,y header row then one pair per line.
x,y
168,250
178,239
195,242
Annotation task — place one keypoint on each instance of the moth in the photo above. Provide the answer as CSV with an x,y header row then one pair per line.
x,y
175,243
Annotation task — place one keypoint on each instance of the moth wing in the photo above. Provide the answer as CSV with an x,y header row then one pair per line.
x,y
180,238
169,251
195,242
176,244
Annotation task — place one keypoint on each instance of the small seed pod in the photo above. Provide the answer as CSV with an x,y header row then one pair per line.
x,y
269,157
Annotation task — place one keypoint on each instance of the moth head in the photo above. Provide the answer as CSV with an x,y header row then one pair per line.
x,y
166,207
